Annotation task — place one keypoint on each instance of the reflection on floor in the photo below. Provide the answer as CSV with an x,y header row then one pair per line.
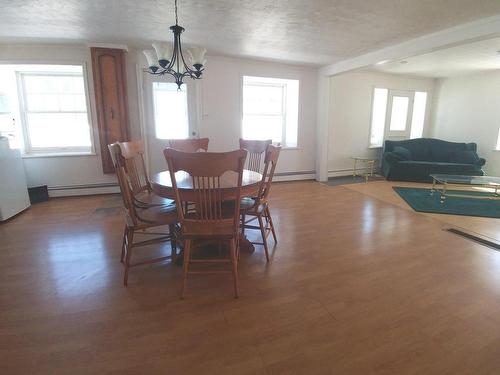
x,y
358,284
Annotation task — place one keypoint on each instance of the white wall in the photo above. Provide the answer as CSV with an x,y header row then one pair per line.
x,y
220,91
467,109
220,95
70,170
350,114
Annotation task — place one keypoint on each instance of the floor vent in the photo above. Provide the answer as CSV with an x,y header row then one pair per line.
x,y
475,238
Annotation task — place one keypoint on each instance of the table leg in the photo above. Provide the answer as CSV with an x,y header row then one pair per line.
x,y
443,193
354,171
245,244
433,189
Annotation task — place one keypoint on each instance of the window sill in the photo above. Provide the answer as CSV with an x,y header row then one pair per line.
x,y
373,147
56,154
283,148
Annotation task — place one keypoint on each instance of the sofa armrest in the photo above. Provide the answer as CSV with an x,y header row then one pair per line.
x,y
481,162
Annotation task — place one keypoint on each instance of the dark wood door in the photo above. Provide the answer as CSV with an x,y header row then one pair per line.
x,y
108,66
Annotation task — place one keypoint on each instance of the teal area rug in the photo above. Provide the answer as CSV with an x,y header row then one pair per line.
x,y
421,200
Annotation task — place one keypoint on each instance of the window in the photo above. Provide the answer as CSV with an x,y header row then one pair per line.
x,y
170,111
498,141
54,111
418,116
270,109
390,115
379,108
43,108
7,125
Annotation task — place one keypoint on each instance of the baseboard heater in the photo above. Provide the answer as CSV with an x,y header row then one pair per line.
x,y
86,186
285,174
478,239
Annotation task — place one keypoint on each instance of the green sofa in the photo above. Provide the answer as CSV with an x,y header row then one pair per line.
x,y
416,159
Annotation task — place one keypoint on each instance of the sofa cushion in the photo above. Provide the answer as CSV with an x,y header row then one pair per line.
x,y
402,153
464,157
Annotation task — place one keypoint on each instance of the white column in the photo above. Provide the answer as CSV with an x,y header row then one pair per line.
x,y
322,126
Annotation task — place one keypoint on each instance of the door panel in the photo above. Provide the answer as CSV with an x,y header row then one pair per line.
x,y
111,100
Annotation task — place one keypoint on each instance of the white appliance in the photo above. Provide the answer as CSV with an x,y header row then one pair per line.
x,y
13,190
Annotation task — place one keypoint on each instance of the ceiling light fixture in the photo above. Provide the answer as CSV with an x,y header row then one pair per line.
x,y
169,59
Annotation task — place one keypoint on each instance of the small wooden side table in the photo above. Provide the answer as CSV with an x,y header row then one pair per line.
x,y
367,165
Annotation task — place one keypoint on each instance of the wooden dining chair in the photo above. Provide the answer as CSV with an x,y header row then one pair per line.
x,y
258,208
215,178
189,145
256,151
132,156
139,219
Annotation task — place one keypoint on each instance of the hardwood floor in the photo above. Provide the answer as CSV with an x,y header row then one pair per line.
x,y
357,285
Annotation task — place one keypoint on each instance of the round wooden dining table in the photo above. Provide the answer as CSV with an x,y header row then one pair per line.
x,y
162,185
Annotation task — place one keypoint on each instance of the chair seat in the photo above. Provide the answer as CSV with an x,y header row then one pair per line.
x,y
249,206
148,198
160,215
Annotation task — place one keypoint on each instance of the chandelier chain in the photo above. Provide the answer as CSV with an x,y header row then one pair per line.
x,y
176,20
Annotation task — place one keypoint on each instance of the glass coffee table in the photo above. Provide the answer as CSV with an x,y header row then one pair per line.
x,y
441,182
367,167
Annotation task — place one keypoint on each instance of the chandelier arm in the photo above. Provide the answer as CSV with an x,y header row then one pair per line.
x,y
186,66
174,54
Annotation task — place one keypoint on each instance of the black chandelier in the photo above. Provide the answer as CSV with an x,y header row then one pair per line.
x,y
169,59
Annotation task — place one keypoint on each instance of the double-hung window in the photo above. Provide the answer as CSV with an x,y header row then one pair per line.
x,y
270,109
53,106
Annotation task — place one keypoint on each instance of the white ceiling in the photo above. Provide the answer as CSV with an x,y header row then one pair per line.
x,y
466,58
312,32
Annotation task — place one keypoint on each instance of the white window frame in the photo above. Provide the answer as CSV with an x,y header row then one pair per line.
x,y
283,86
28,150
497,148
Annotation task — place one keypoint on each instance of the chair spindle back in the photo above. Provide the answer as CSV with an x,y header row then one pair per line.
x,y
209,173
189,145
270,162
123,182
256,149
135,166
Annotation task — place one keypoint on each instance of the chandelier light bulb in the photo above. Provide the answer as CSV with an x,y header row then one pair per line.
x,y
163,52
197,56
152,59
